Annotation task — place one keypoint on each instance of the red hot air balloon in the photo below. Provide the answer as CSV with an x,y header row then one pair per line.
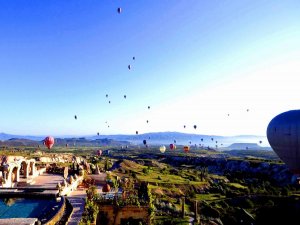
x,y
172,146
49,142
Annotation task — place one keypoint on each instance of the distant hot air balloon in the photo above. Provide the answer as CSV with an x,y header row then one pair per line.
x,y
148,107
247,110
125,96
201,139
190,142
75,117
147,121
106,95
109,102
99,152
49,142
186,148
98,133
144,142
175,141
162,149
228,114
136,132
129,67
106,188
184,126
283,134
212,139
195,126
119,10
172,146
133,57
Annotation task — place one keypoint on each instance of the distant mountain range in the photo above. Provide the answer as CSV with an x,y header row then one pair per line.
x,y
157,138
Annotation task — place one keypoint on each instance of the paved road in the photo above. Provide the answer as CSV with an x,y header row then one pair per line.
x,y
77,200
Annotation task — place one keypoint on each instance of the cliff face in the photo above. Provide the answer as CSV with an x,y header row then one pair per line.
x,y
248,169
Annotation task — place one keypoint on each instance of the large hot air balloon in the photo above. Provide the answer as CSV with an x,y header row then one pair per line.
x,y
186,148
283,134
162,149
49,142
172,146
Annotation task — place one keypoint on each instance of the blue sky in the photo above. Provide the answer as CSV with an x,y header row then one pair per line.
x,y
196,61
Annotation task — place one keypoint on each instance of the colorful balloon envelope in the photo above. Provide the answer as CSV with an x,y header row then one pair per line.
x,y
162,149
99,152
49,142
186,148
172,146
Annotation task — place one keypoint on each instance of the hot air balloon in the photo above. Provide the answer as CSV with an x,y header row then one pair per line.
x,y
184,126
260,142
162,149
144,142
49,142
106,188
175,141
283,134
228,114
129,67
98,133
148,107
109,102
133,57
195,126
136,132
201,139
212,139
147,121
106,95
99,152
125,96
186,148
172,146
247,110
119,10
75,117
